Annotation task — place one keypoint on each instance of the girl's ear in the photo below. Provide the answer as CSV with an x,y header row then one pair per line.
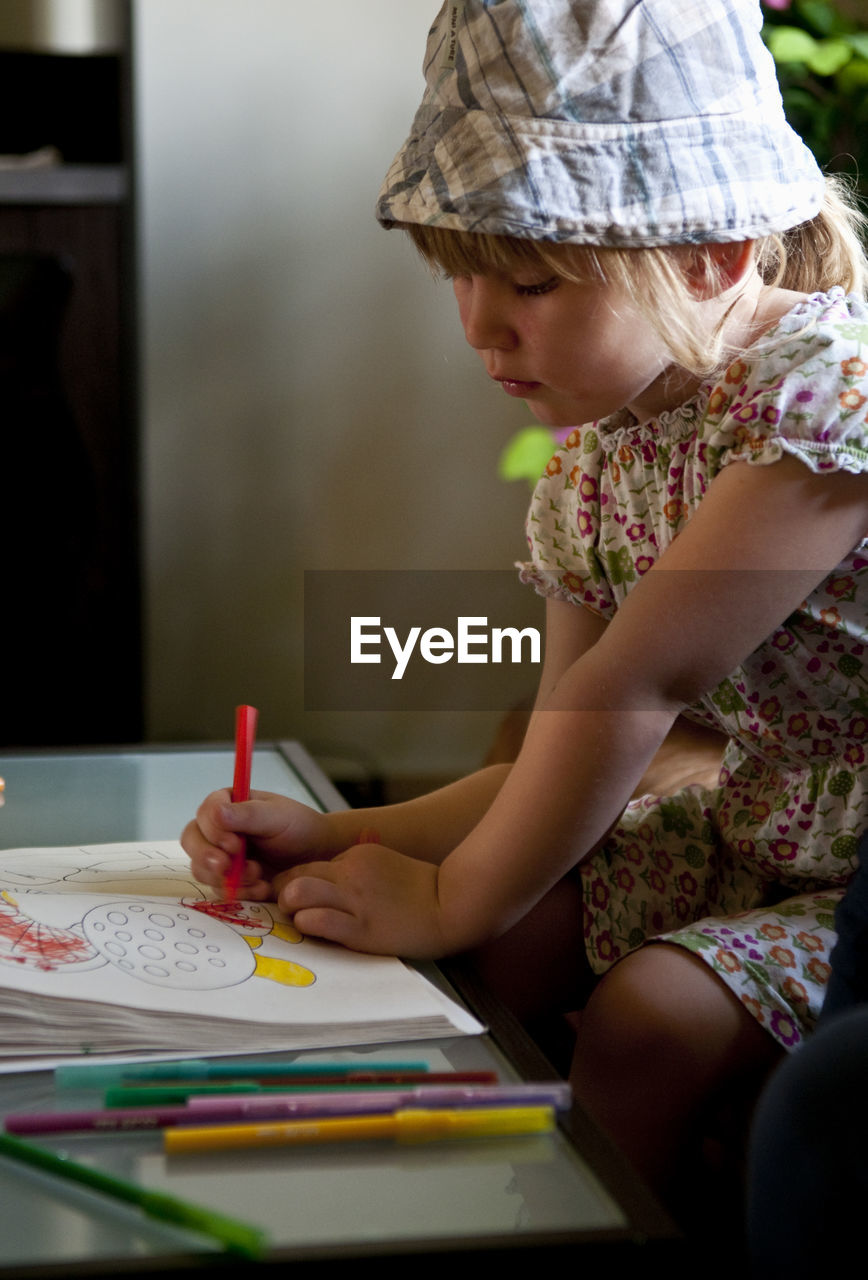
x,y
712,269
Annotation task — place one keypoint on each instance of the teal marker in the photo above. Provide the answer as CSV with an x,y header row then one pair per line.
x,y
234,1236
96,1075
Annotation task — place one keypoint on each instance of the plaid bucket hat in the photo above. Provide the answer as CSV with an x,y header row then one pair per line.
x,y
615,122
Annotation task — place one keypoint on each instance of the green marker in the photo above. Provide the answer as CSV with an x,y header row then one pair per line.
x,y
234,1236
168,1095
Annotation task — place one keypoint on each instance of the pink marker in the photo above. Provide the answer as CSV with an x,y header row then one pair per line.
x,y
113,1120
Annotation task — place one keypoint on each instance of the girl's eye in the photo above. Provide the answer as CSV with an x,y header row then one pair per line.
x,y
536,290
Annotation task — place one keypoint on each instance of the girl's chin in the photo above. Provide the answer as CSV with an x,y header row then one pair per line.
x,y
551,416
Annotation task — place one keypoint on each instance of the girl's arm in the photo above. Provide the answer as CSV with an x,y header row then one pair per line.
x,y
762,539
282,832
430,826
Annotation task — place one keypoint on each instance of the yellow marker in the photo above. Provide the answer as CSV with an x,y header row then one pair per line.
x,y
411,1125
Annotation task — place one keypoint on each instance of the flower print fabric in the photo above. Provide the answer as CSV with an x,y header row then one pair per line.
x,y
747,874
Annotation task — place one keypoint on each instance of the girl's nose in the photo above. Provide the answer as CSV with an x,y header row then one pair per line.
x,y
483,315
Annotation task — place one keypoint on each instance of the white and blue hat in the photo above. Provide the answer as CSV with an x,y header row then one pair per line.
x,y
602,122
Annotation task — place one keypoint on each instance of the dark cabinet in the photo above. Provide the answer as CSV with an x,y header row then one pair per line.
x,y
70,624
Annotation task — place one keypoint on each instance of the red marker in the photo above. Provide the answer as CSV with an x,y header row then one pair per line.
x,y
245,736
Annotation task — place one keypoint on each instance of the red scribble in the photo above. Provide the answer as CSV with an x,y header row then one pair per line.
x,y
229,912
24,940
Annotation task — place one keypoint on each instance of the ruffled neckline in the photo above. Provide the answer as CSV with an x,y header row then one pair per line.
x,y
672,423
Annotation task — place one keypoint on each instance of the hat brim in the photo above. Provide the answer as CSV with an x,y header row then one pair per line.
x,y
651,183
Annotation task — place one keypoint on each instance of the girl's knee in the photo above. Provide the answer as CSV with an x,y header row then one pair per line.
x,y
639,1005
661,1005
662,1045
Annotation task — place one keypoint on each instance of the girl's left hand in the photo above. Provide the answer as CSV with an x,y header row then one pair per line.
x,y
368,898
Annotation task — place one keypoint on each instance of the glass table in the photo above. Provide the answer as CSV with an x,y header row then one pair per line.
x,y
320,1205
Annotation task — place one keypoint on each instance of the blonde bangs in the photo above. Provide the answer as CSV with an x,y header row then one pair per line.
x,y
464,253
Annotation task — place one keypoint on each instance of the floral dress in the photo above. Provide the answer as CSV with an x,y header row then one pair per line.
x,y
745,875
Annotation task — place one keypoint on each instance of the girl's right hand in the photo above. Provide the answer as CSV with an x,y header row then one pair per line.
x,y
280,833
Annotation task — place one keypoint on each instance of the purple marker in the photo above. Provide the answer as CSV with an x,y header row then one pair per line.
x,y
377,1102
207,1109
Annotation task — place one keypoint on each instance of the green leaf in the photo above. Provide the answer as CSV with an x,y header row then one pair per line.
x,y
830,56
790,44
853,79
526,455
824,57
858,41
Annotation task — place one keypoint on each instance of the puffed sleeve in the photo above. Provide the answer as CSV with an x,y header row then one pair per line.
x,y
802,390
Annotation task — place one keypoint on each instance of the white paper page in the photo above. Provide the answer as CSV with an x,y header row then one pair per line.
x,y
127,925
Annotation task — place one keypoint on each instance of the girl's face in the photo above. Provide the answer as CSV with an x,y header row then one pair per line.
x,y
574,351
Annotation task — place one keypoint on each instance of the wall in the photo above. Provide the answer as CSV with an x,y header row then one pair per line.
x,y
309,400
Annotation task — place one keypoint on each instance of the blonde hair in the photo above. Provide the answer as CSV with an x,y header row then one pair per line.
x,y
811,258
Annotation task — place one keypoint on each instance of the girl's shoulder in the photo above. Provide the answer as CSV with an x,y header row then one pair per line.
x,y
815,319
802,388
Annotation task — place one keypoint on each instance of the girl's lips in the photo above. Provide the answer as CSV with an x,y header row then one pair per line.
x,y
514,388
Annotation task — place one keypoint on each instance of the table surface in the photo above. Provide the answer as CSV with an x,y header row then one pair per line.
x,y
317,1204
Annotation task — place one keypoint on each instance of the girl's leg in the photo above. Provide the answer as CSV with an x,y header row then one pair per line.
x,y
663,1043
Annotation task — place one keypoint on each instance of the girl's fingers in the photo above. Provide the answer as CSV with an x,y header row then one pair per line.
x,y
310,885
220,828
318,905
271,830
281,828
333,926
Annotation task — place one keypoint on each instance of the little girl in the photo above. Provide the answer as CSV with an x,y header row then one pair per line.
x,y
640,245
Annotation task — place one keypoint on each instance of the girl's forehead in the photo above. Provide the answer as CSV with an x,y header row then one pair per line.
x,y
472,253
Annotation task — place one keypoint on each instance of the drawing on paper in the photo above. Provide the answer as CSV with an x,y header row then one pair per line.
x,y
185,943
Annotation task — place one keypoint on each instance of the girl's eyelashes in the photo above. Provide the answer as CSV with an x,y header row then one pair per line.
x,y
536,290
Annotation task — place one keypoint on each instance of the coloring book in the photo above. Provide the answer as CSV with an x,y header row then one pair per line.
x,y
117,949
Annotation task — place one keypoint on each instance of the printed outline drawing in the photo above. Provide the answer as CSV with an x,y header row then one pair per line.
x,y
184,942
